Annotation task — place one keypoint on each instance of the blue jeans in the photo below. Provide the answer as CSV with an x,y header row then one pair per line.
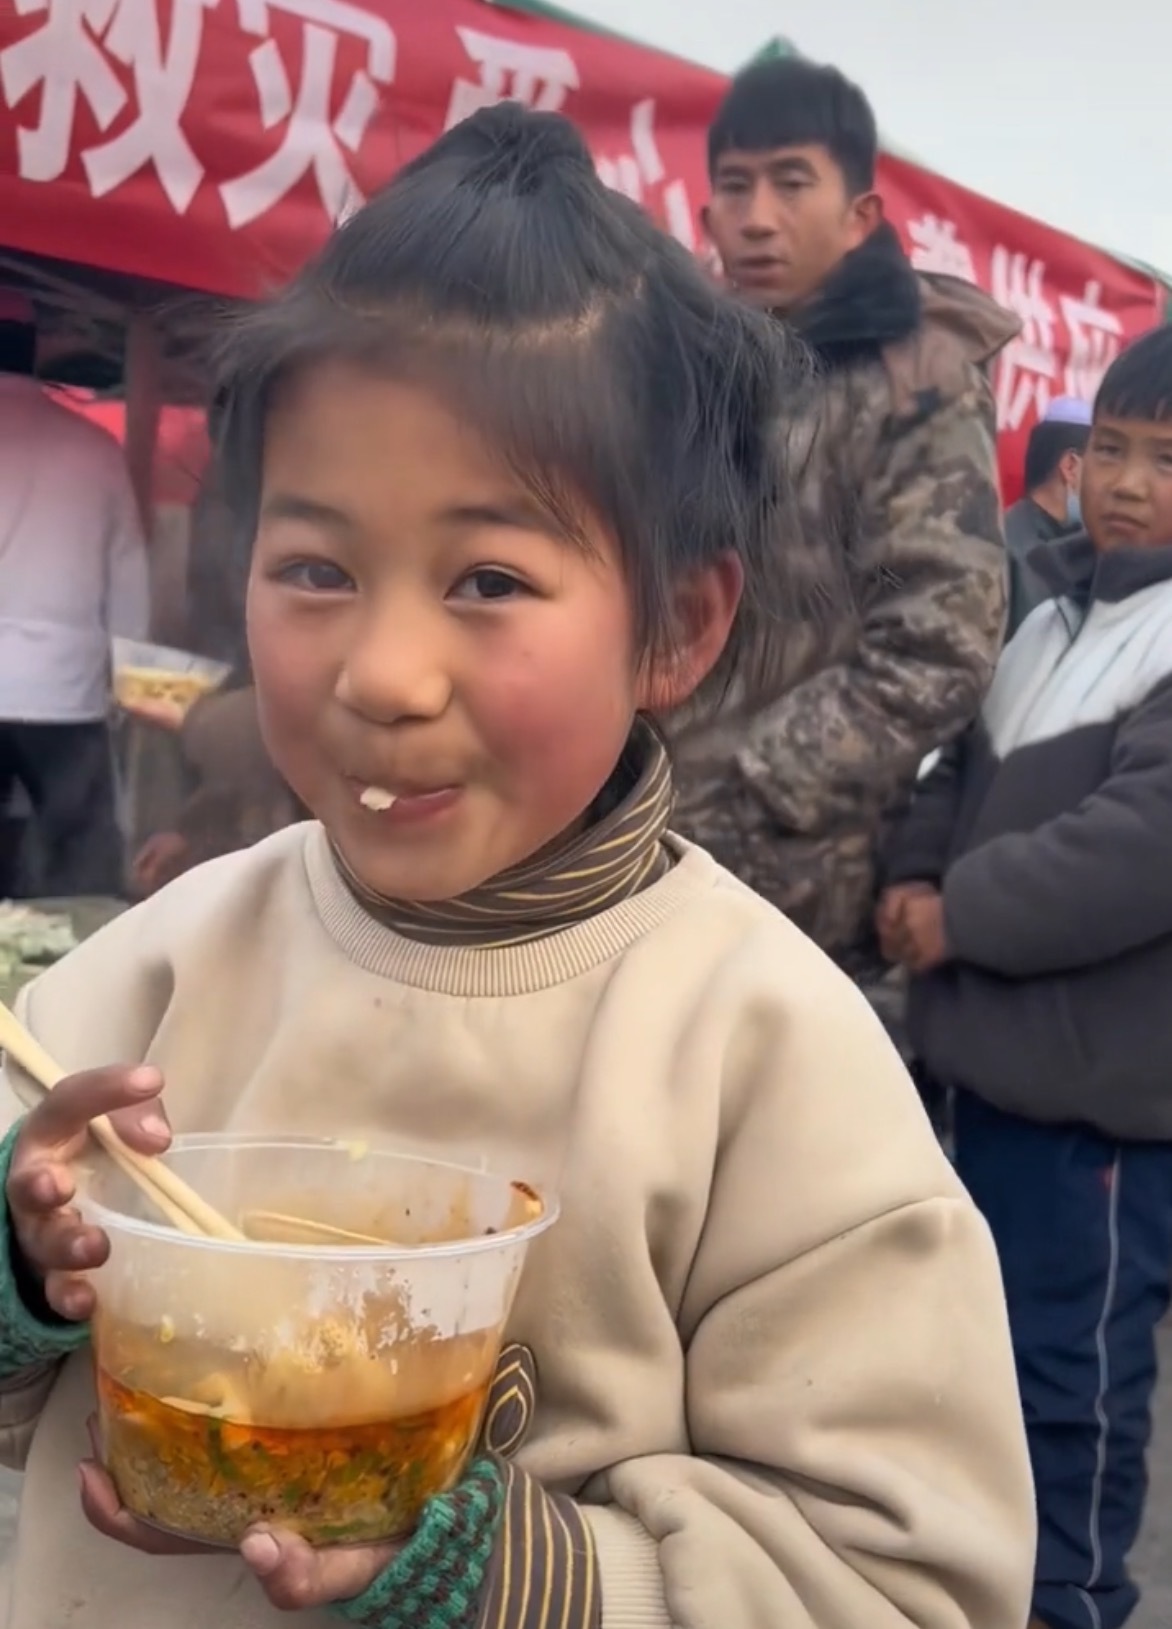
x,y
1083,1226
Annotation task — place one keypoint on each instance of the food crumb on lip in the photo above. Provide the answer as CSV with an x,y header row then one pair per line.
x,y
377,798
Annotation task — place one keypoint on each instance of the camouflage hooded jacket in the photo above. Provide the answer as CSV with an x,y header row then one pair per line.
x,y
794,796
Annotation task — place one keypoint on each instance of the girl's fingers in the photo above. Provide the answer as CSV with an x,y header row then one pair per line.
x,y
145,1127
60,1242
295,1576
39,1186
105,1511
62,1117
70,1297
41,1182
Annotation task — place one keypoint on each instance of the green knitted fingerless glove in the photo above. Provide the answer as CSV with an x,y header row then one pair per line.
x,y
25,1339
500,1550
436,1581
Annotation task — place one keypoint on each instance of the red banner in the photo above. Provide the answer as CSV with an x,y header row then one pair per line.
x,y
211,143
1078,307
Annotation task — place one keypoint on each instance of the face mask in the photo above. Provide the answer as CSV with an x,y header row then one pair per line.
x,y
1073,507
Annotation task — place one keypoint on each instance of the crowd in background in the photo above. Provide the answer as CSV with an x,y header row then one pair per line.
x,y
1021,890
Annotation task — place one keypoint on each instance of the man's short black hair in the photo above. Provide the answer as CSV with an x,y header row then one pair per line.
x,y
1050,440
789,102
18,348
1138,384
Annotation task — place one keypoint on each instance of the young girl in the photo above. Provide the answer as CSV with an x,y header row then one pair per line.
x,y
510,471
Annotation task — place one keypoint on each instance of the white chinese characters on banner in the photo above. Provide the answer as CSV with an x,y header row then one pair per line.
x,y
634,172
1029,368
539,76
63,58
935,247
69,57
131,80
163,77
1096,338
542,78
313,138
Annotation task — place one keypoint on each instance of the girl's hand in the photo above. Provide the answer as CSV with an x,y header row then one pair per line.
x,y
294,1575
291,1572
56,1246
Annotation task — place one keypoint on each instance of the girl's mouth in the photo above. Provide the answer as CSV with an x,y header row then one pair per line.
x,y
405,808
377,799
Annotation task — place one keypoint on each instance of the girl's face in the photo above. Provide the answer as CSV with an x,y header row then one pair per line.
x,y
419,631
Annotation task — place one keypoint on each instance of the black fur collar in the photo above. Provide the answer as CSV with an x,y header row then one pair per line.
x,y
871,299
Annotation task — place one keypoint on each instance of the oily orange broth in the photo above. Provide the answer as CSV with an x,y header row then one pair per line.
x,y
343,1437
206,1442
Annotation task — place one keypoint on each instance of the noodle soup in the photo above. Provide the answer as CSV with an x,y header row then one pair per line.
x,y
331,1388
344,1448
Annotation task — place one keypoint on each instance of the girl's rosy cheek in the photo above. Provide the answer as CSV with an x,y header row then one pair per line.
x,y
289,664
561,726
530,691
281,694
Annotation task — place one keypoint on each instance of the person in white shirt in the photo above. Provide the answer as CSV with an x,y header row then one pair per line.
x,y
73,572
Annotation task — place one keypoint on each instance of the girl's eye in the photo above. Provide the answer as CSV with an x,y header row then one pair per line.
x,y
316,576
489,583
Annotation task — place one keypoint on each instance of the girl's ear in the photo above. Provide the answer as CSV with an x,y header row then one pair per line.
x,y
705,609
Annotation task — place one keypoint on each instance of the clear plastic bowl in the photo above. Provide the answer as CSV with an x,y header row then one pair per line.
x,y
331,1389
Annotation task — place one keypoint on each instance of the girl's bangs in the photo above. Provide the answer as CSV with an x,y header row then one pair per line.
x,y
536,397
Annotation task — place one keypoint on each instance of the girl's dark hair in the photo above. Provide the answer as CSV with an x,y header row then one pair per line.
x,y
789,102
585,345
1138,384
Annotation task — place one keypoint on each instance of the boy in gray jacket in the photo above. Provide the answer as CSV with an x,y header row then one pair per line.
x,y
1029,893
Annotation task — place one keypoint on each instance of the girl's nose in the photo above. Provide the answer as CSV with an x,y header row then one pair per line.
x,y
394,675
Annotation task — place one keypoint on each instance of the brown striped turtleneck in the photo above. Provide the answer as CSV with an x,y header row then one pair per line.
x,y
619,852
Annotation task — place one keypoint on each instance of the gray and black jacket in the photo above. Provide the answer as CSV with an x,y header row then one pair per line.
x,y
1048,829
1027,527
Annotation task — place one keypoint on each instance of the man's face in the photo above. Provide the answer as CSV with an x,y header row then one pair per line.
x,y
782,220
1127,484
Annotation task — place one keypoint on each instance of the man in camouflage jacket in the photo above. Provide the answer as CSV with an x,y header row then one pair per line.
x,y
794,794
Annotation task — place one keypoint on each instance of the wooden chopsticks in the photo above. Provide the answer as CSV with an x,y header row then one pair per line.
x,y
178,1202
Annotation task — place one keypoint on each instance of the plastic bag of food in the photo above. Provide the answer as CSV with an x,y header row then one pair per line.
x,y
161,684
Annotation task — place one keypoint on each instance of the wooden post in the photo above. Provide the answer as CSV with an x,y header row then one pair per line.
x,y
143,402
143,387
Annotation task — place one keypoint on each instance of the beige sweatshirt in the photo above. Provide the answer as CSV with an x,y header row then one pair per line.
x,y
773,1355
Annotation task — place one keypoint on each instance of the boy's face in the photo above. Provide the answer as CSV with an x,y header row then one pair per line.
x,y
418,626
1127,483
782,221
